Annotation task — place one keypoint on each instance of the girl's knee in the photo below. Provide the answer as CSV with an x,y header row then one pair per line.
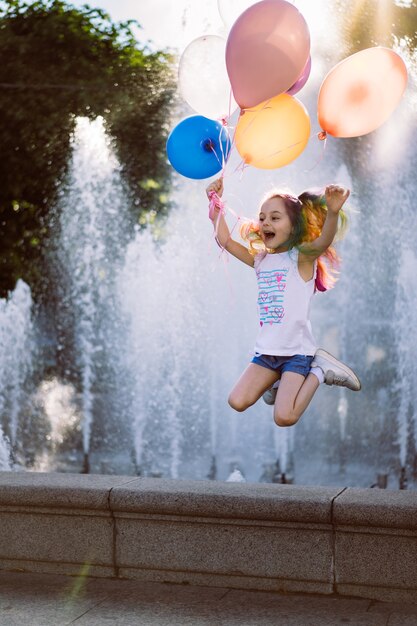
x,y
237,402
285,419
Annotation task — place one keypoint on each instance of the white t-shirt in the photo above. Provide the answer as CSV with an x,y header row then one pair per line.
x,y
284,300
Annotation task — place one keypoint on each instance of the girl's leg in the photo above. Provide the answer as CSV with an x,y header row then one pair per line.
x,y
293,397
254,381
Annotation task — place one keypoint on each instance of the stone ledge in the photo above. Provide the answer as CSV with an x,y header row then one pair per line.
x,y
376,507
54,490
254,536
376,544
291,503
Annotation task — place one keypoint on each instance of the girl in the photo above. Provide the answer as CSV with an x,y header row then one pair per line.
x,y
286,247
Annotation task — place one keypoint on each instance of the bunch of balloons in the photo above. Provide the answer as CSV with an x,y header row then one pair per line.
x,y
263,63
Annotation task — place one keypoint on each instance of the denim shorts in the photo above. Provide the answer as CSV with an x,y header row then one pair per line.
x,y
298,363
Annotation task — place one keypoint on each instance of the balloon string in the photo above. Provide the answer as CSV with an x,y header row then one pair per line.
x,y
322,136
211,147
230,101
229,147
229,142
217,208
268,156
232,145
223,162
230,104
241,166
243,111
216,205
225,260
265,106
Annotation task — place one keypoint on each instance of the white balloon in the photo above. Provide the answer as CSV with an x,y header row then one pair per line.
x,y
230,10
203,79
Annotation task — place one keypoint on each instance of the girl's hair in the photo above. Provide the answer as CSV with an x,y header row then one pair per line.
x,y
307,214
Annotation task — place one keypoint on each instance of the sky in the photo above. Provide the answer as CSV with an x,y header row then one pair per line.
x,y
176,23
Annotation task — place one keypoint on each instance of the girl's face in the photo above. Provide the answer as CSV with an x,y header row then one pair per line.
x,y
274,224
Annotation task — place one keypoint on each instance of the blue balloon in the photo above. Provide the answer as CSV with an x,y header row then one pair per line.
x,y
198,147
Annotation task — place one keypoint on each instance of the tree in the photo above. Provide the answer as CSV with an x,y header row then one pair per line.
x,y
60,62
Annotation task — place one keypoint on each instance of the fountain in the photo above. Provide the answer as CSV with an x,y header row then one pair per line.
x,y
155,324
91,235
406,336
157,328
16,349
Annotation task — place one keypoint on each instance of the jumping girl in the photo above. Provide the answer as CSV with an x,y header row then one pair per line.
x,y
290,248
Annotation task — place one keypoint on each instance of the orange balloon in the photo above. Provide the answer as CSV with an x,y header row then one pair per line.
x,y
274,133
359,94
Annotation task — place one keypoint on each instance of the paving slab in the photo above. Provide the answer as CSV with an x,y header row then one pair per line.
x,y
28,599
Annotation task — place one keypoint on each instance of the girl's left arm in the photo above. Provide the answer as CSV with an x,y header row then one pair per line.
x,y
336,197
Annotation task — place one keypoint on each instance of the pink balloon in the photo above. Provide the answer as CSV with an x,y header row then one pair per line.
x,y
302,79
266,51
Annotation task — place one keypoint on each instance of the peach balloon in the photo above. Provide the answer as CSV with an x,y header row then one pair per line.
x,y
267,49
274,133
359,94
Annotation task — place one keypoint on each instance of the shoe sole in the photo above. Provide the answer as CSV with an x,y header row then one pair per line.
x,y
270,402
340,365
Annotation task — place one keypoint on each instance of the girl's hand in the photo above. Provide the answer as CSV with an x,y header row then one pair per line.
x,y
336,197
216,186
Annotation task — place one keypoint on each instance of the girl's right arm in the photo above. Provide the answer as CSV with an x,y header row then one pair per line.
x,y
223,233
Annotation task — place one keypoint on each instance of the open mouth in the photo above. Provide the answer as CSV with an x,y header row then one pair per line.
x,y
268,236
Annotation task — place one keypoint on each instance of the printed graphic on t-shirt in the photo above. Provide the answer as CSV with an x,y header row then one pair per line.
x,y
271,296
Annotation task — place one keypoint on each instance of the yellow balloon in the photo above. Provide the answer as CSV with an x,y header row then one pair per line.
x,y
273,133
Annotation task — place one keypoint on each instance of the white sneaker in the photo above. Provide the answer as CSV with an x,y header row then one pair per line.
x,y
270,394
335,372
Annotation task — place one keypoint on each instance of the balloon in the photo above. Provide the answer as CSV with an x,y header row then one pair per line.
x,y
297,86
231,9
197,147
203,79
267,49
360,93
274,133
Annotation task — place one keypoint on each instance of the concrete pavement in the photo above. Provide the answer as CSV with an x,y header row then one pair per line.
x,y
28,599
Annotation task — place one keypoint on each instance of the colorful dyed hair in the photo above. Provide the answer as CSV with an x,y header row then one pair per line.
x,y
307,214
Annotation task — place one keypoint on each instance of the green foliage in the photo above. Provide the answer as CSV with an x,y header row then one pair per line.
x,y
60,62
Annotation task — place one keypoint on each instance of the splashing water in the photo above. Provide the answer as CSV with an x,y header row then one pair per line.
x,y
236,477
174,323
58,402
5,464
342,410
16,348
163,324
406,331
60,406
92,226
